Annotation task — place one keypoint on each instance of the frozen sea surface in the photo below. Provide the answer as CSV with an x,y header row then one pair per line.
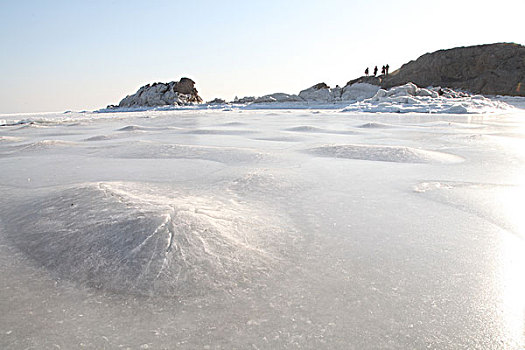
x,y
262,229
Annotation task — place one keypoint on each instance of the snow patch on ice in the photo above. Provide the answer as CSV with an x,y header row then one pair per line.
x,y
155,150
398,154
313,129
220,132
45,144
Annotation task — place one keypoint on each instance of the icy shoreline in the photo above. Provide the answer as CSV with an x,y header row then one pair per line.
x,y
362,97
366,98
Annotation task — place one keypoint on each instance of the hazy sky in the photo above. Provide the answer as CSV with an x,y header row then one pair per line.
x,y
77,55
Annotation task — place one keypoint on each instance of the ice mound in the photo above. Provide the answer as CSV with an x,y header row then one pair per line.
x,y
39,146
27,123
102,138
375,125
313,129
233,124
155,150
305,128
146,239
49,143
410,98
397,154
279,139
220,132
137,128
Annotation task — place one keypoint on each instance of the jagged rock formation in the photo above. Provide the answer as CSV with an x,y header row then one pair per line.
x,y
493,69
175,93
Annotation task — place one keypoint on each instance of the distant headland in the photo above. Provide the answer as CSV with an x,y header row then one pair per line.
x,y
492,69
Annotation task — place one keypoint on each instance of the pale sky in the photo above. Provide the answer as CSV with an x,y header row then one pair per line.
x,y
84,55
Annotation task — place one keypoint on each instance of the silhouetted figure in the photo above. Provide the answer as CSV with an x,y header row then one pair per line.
x,y
375,71
387,67
366,71
383,69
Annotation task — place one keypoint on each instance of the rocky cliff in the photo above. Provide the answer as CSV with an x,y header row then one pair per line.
x,y
493,69
162,94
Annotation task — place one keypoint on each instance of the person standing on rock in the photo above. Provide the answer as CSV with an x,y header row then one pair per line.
x,y
375,71
387,67
383,69
366,71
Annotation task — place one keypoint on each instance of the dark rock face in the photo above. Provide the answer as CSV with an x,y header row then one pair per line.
x,y
161,94
368,80
216,100
185,86
494,69
320,86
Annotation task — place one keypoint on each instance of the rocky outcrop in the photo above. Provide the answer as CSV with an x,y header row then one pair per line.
x,y
494,69
366,80
243,100
216,101
320,93
175,93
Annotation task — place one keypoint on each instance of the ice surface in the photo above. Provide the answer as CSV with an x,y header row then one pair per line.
x,y
267,229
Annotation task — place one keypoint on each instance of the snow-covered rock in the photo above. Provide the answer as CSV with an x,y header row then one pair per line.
x,y
358,91
321,93
278,97
175,93
246,99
